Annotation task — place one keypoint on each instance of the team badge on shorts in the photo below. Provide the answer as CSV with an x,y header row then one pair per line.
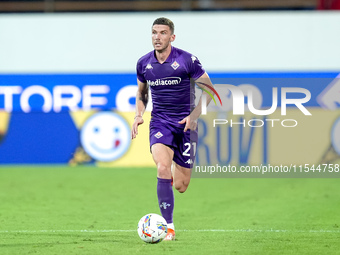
x,y
175,65
158,135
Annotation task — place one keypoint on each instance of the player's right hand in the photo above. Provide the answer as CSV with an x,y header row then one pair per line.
x,y
138,121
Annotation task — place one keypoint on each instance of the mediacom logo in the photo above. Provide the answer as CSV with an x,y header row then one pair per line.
x,y
164,81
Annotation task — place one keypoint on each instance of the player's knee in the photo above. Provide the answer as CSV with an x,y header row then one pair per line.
x,y
181,187
163,171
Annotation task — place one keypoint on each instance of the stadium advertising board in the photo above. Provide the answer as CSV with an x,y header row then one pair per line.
x,y
86,118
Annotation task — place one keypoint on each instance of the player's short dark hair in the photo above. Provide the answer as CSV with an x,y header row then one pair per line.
x,y
165,21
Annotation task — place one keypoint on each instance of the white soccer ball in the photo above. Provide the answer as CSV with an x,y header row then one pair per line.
x,y
152,228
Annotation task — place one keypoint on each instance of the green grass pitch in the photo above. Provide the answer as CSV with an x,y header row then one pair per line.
x,y
87,210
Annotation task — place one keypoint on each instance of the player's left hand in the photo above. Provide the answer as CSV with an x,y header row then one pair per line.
x,y
138,121
189,124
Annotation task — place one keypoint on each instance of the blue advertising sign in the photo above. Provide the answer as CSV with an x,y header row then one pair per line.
x,y
61,92
36,125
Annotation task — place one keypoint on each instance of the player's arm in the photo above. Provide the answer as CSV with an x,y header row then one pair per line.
x,y
142,99
205,84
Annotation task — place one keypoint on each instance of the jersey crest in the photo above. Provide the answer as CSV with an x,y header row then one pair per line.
x,y
175,65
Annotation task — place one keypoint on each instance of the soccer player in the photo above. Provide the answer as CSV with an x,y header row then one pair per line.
x,y
169,72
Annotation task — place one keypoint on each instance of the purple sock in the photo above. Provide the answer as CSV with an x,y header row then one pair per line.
x,y
165,198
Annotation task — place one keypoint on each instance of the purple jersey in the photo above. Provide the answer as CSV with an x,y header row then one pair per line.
x,y
173,94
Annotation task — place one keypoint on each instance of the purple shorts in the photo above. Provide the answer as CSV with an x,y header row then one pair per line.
x,y
183,144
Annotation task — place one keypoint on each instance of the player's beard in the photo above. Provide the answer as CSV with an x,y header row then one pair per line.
x,y
163,48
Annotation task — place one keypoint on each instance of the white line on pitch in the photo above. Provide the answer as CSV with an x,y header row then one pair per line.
x,y
180,230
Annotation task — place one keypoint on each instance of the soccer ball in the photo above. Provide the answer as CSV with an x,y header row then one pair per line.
x,y
152,228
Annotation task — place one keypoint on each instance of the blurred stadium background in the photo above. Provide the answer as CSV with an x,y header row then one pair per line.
x,y
67,95
154,5
63,61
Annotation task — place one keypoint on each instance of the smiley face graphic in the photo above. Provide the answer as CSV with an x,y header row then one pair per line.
x,y
105,136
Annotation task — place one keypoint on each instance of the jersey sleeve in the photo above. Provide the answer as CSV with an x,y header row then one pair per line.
x,y
195,68
140,74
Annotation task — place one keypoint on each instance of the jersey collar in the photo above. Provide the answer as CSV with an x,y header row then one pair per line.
x,y
170,58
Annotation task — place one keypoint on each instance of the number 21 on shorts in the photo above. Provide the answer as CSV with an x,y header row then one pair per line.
x,y
187,149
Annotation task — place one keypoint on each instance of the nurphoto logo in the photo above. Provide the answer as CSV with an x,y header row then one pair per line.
x,y
239,103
